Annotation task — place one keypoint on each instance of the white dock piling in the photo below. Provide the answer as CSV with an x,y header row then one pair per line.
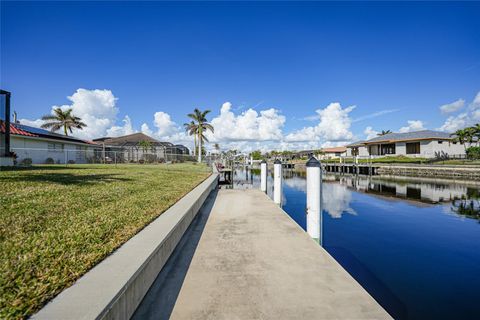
x,y
277,182
314,198
263,176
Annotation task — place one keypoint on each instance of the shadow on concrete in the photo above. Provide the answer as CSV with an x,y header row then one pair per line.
x,y
160,299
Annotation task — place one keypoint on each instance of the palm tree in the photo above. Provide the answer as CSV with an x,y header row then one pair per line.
x,y
476,132
216,146
461,136
384,132
191,129
62,119
202,126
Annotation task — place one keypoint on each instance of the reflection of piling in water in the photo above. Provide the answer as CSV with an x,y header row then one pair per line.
x,y
277,182
314,198
263,176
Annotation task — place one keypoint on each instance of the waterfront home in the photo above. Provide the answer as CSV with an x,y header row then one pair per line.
x,y
333,153
425,143
39,146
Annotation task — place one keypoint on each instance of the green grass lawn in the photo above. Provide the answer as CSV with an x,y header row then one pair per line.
x,y
57,222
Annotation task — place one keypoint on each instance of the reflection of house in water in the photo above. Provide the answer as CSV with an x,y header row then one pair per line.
x,y
407,189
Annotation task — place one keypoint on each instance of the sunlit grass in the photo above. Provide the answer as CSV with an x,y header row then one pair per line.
x,y
57,222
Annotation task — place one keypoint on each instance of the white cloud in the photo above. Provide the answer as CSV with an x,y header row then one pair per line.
x,y
247,126
413,125
476,100
464,119
375,114
96,108
164,124
452,107
334,126
126,129
32,123
370,133
455,123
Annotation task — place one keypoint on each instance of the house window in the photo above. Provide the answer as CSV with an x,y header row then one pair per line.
x,y
387,148
55,147
413,148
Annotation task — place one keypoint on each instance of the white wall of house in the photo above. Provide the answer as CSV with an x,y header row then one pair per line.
x,y
428,149
332,155
40,149
362,151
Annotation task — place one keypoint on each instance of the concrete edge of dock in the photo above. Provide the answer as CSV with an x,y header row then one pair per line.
x,y
114,288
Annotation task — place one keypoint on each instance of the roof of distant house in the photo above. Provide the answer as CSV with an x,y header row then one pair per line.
x,y
132,140
355,144
27,131
406,136
334,149
416,135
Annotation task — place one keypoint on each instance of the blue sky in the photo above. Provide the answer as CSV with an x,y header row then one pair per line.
x,y
399,61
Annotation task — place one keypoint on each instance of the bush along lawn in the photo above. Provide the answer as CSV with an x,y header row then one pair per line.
x,y
58,222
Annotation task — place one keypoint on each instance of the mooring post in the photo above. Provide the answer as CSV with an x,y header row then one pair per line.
x,y
277,182
314,198
263,176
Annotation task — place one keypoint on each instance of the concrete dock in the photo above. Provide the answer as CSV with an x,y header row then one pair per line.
x,y
243,257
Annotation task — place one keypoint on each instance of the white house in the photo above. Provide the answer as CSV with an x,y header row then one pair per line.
x,y
42,146
333,153
425,143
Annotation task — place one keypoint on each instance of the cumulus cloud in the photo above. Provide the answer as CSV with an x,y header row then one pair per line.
x,y
96,108
370,133
452,107
32,123
453,123
413,125
126,129
334,126
247,126
467,118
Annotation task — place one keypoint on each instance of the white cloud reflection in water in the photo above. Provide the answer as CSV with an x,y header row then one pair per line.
x,y
336,197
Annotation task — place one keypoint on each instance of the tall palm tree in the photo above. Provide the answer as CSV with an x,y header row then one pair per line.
x,y
202,126
191,129
476,132
461,136
384,132
62,119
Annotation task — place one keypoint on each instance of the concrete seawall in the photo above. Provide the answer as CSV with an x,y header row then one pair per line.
x,y
442,171
114,288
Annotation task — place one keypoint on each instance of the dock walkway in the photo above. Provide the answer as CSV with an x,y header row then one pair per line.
x,y
245,258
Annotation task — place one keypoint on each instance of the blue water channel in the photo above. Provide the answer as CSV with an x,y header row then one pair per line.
x,y
413,244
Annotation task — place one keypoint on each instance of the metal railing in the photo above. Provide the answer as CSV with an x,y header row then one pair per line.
x,y
51,156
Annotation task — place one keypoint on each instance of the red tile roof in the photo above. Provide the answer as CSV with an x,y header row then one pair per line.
x,y
15,130
334,149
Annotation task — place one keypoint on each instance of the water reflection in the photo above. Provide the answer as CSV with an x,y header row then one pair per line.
x,y
412,243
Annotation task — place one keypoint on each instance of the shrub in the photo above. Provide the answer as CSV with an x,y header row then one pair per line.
x,y
26,162
71,161
473,153
49,161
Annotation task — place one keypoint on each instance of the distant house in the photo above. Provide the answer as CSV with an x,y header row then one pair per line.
x,y
425,143
130,148
333,153
42,146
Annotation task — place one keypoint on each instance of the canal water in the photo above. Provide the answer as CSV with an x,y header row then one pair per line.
x,y
413,244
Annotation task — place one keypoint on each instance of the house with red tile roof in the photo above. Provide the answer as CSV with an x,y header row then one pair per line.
x,y
42,146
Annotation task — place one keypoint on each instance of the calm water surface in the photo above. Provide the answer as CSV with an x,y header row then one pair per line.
x,y
414,245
